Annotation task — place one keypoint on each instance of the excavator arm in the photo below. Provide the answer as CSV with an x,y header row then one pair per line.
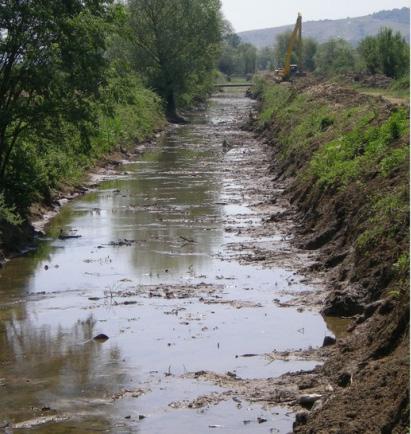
x,y
296,38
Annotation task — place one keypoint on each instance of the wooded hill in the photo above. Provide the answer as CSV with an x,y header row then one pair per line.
x,y
350,29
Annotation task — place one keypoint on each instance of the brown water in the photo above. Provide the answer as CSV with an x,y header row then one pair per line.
x,y
182,206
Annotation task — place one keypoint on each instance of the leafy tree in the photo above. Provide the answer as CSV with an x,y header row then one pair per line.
x,y
386,53
309,48
175,44
335,56
265,58
52,67
248,58
369,52
228,62
280,49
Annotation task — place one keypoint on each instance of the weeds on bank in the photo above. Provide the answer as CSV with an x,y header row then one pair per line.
x,y
361,151
338,147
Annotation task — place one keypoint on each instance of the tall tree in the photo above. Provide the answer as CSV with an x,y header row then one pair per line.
x,y
335,56
309,48
175,44
265,58
280,49
52,65
387,53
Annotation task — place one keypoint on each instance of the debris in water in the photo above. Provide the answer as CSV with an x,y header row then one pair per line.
x,y
101,338
64,236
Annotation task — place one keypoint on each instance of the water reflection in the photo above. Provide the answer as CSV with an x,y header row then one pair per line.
x,y
53,368
161,222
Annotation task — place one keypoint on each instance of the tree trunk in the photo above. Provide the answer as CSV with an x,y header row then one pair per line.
x,y
171,110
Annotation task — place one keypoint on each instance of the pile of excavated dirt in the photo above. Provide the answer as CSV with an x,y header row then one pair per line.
x,y
369,368
379,81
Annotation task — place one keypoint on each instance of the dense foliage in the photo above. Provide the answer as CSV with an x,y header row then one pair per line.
x,y
75,79
335,57
387,53
174,45
236,57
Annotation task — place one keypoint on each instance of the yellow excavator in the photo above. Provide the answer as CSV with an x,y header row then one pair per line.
x,y
290,70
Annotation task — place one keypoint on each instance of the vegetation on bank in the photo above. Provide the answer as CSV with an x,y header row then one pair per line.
x,y
351,149
79,78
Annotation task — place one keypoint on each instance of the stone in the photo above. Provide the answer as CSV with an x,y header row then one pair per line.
x,y
301,418
329,341
101,337
318,405
344,379
307,401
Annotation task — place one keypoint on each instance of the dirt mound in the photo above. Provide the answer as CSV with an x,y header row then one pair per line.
x,y
379,81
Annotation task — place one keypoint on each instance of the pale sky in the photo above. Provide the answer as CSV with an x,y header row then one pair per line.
x,y
259,14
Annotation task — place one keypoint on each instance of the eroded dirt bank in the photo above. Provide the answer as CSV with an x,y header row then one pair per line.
x,y
344,159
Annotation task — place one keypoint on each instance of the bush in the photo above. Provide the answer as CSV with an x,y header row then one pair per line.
x,y
7,214
57,154
386,53
335,57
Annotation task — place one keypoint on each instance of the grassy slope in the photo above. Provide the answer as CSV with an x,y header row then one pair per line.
x,y
346,156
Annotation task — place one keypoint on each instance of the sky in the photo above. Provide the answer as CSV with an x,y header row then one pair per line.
x,y
259,14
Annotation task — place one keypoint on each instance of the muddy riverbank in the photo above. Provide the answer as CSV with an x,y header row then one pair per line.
x,y
331,146
176,258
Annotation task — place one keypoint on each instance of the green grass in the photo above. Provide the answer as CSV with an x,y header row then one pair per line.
x,y
388,216
356,153
355,148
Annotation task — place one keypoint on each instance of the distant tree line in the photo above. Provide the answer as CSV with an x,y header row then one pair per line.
x,y
236,58
386,53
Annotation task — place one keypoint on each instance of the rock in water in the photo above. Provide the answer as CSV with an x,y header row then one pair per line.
x,y
101,338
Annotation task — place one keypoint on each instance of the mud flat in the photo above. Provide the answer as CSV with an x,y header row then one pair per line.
x,y
204,321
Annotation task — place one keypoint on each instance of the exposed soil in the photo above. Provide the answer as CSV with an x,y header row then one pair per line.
x,y
368,370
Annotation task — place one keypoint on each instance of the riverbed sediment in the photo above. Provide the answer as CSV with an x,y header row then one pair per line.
x,y
177,259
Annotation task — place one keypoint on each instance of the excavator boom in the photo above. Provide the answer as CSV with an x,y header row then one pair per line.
x,y
296,38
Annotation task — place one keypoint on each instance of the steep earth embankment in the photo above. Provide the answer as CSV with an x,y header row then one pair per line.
x,y
345,158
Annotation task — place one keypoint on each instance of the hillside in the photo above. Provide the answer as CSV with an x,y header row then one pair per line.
x,y
350,29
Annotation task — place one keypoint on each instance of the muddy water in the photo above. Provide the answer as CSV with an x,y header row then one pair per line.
x,y
166,266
